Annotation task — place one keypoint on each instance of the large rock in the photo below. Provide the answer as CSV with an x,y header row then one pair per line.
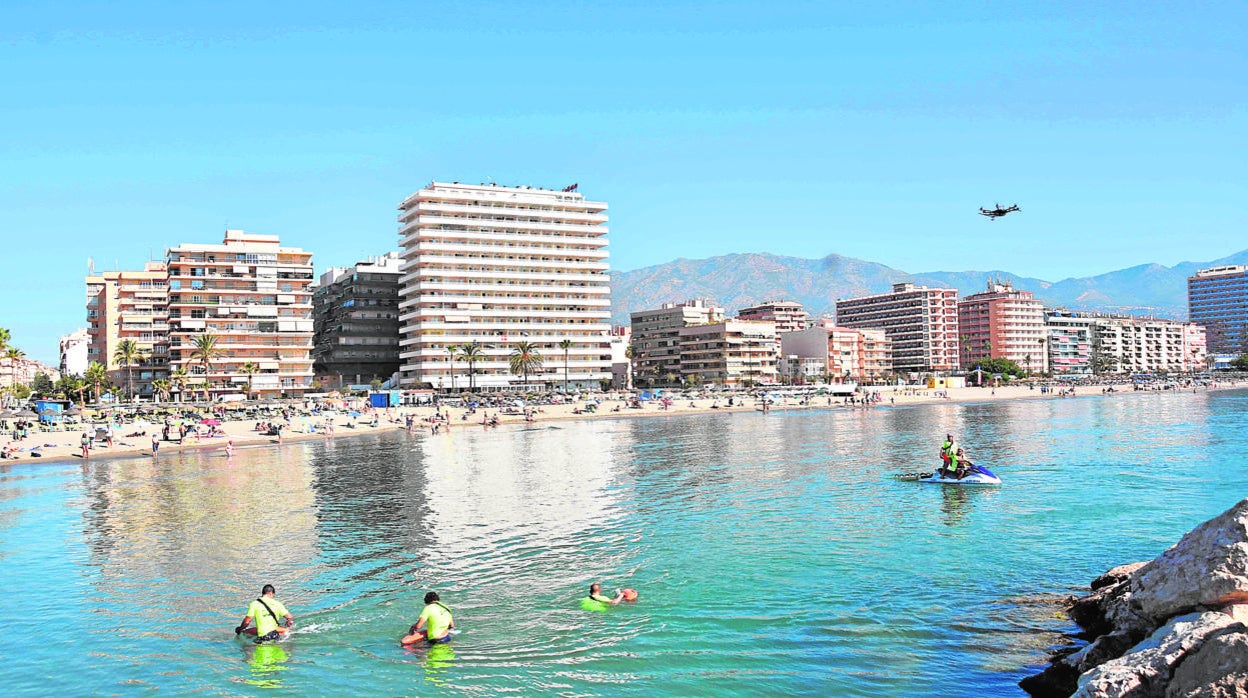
x,y
1219,669
1145,671
1121,573
1208,567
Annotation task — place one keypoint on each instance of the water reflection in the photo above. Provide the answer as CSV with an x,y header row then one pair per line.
x,y
265,663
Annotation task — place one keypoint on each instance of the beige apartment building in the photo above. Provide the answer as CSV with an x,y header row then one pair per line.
x,y
738,353
130,305
921,324
788,316
656,338
255,296
499,265
846,354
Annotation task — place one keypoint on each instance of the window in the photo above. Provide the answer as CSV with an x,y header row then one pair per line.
x,y
175,285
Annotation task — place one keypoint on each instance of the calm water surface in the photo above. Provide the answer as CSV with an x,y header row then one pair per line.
x,y
774,554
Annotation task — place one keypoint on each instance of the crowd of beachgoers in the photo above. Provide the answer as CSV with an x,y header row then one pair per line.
x,y
157,429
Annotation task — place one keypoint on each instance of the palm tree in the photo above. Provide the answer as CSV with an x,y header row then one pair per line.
x,y
179,378
127,354
452,349
524,359
472,352
5,338
565,345
251,368
12,353
204,349
72,383
161,387
96,376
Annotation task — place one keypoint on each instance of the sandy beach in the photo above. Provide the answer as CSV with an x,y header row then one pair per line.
x,y
136,439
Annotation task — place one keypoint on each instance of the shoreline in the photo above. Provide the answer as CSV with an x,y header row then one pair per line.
x,y
63,446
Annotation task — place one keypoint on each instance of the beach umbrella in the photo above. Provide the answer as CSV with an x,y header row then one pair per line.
x,y
211,422
25,414
72,412
7,414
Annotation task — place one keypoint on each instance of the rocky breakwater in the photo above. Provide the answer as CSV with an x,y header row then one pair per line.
x,y
1172,628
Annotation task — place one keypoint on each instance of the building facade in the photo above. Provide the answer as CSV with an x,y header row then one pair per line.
x,y
1002,323
489,266
130,306
847,354
1217,299
1068,349
1082,343
656,338
74,348
787,316
255,297
733,353
921,324
355,314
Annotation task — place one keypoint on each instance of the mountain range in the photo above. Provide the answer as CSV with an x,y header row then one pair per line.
x,y
737,281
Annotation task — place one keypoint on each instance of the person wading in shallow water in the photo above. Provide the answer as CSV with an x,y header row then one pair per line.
x,y
265,611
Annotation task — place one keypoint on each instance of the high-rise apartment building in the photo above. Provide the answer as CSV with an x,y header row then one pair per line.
x,y
130,306
921,324
490,266
254,296
1217,298
1002,323
656,338
737,353
355,313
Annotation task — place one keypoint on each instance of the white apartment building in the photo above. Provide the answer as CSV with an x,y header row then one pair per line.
x,y
255,297
1094,343
494,266
74,352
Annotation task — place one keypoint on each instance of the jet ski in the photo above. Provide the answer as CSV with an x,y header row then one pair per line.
x,y
978,475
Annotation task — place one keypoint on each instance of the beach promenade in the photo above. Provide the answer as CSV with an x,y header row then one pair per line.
x,y
135,439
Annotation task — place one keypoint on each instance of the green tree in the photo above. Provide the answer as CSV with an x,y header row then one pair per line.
x,y
204,349
472,352
1240,363
162,387
127,354
251,368
375,384
525,359
70,385
41,385
566,346
1000,365
179,378
97,377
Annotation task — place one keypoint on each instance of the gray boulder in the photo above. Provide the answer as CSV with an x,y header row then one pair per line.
x,y
1219,669
1208,567
1145,671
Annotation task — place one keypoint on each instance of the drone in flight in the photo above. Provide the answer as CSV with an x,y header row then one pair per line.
x,y
995,213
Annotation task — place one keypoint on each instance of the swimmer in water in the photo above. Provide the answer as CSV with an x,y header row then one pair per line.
x,y
595,594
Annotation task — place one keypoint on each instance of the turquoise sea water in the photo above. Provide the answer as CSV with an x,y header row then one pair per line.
x,y
774,554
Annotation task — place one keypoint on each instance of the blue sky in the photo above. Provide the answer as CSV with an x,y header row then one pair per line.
x,y
872,130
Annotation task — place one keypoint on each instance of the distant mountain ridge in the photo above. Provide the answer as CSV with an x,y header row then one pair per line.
x,y
737,281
